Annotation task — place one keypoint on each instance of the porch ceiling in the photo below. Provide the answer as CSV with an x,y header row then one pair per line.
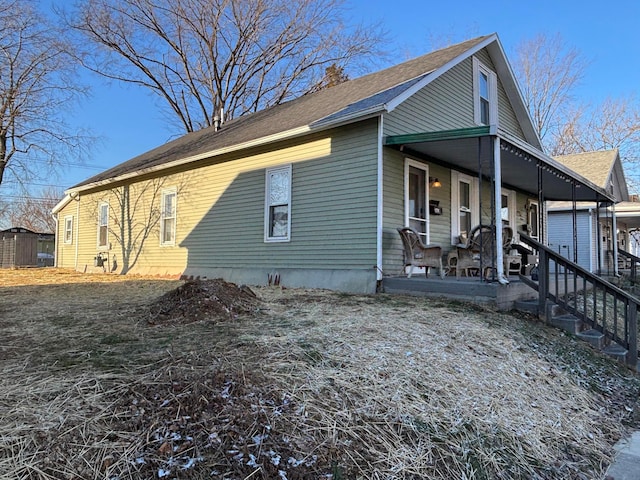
x,y
470,150
628,213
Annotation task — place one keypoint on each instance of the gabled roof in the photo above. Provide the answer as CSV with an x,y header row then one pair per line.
x,y
350,101
602,167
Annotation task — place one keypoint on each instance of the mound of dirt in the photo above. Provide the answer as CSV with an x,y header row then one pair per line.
x,y
204,300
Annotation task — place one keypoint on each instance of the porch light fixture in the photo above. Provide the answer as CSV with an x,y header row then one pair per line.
x,y
434,182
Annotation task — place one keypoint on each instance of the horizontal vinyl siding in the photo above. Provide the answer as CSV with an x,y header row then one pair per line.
x,y
560,235
446,103
333,210
393,210
221,205
66,252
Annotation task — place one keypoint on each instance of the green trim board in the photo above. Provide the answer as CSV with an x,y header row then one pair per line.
x,y
457,133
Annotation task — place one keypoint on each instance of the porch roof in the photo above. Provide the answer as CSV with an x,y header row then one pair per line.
x,y
470,150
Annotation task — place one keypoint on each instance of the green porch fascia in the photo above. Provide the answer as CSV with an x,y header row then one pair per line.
x,y
471,132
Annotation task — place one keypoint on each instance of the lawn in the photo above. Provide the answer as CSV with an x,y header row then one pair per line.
x,y
116,377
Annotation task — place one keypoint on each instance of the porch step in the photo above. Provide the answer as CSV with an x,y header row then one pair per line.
x,y
529,306
616,351
593,337
567,322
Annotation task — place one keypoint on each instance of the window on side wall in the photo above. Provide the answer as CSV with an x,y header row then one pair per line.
x,y
278,204
485,93
103,225
168,218
464,206
68,229
533,222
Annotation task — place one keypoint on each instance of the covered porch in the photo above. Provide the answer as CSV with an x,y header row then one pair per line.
x,y
497,162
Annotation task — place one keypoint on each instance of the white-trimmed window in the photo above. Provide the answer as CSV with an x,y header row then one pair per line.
x,y
103,225
533,219
508,209
277,204
68,229
464,205
168,217
485,94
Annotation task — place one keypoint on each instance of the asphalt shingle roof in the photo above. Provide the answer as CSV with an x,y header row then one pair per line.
x,y
594,166
330,105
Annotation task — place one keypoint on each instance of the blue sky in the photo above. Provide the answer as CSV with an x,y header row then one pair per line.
x,y
128,122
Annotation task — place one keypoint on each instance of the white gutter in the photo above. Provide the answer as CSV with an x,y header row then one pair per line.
x,y
56,239
497,168
221,151
554,163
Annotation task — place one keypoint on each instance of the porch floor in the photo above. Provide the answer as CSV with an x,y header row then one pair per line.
x,y
471,289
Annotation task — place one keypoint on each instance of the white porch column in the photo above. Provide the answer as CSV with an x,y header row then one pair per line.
x,y
497,169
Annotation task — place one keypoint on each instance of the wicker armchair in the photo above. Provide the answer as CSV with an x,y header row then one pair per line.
x,y
417,254
481,244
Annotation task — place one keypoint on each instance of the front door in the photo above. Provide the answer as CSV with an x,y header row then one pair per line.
x,y
416,198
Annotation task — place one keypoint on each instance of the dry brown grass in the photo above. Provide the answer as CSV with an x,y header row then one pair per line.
x,y
313,384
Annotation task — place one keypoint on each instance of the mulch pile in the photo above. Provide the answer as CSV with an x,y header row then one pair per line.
x,y
198,300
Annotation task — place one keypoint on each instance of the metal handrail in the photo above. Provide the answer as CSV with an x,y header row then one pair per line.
x,y
598,303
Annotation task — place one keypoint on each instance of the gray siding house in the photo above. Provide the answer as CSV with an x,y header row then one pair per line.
x,y
312,191
600,230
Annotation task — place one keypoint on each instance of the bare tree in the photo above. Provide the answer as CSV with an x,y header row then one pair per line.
x,y
37,86
548,72
210,58
34,212
615,123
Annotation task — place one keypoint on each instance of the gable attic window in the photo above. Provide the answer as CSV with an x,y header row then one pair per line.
x,y
277,204
68,229
168,218
485,94
103,225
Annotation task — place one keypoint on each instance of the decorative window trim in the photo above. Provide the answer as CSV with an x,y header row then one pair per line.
x,y
164,218
68,229
492,79
270,204
456,178
103,217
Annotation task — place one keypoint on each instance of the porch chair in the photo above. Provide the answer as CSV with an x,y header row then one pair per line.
x,y
417,254
481,244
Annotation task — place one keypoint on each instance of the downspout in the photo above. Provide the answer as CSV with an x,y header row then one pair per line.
x,y
591,252
574,221
379,222
55,240
599,242
614,227
77,199
497,185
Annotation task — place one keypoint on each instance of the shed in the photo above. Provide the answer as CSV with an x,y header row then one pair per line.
x,y
18,248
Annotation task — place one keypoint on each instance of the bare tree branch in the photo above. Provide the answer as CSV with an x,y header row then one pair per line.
x,y
37,85
206,56
548,72
33,212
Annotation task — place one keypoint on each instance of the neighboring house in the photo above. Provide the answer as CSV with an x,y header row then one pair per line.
x,y
312,191
600,230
